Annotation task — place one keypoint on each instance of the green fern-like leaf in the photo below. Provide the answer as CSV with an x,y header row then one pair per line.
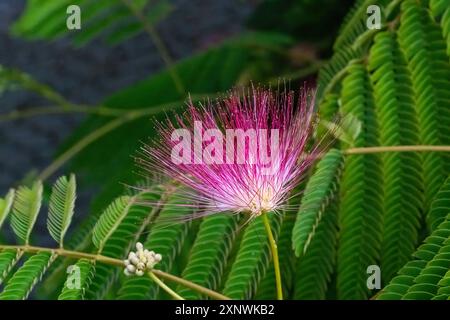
x,y
8,259
354,24
329,107
76,285
444,288
110,20
426,284
251,261
420,278
79,240
25,210
315,268
329,76
110,220
440,207
402,172
319,191
361,192
441,8
6,205
421,40
209,253
61,208
24,280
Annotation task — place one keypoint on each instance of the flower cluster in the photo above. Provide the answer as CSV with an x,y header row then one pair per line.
x,y
140,261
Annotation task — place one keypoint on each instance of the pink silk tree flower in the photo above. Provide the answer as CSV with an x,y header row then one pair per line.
x,y
244,153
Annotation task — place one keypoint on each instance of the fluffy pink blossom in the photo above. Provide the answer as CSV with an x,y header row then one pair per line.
x,y
254,175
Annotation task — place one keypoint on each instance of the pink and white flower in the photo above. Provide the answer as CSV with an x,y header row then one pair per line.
x,y
242,154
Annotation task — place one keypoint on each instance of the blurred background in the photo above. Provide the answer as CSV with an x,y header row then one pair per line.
x,y
114,51
89,73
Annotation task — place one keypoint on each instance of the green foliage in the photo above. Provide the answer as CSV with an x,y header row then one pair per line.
x,y
354,24
24,280
315,268
319,192
110,220
420,278
441,8
115,232
111,20
5,206
252,260
209,254
331,74
25,210
61,208
74,290
421,40
440,207
361,192
402,172
8,258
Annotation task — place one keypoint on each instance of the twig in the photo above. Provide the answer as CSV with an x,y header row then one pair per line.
x,y
383,149
114,262
32,112
29,83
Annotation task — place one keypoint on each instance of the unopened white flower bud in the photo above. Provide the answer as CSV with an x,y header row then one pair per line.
x,y
139,273
141,255
131,268
135,260
139,246
140,266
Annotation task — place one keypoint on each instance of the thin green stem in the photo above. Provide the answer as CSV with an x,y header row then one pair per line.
x,y
383,149
52,110
86,109
276,261
65,253
337,77
29,83
114,262
160,46
313,68
165,287
193,286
